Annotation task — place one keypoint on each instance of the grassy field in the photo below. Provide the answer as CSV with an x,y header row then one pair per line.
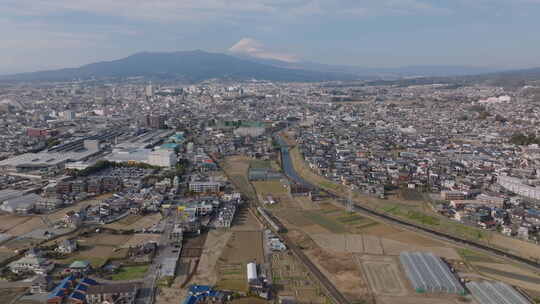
x,y
236,168
324,221
130,273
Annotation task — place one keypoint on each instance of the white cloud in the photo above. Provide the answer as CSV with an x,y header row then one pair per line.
x,y
171,11
254,48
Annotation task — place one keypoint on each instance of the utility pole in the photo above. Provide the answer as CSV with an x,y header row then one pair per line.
x,y
349,200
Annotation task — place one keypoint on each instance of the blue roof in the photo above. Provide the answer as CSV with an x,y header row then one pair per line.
x,y
81,287
88,281
199,288
77,295
57,292
198,292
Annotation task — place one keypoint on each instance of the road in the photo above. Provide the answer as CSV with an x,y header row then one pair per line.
x,y
147,292
289,170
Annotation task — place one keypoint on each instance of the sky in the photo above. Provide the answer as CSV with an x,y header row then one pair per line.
x,y
47,34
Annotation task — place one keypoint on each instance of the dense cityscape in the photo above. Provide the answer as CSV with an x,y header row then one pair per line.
x,y
269,192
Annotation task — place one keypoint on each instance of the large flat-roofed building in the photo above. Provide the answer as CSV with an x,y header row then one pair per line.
x,y
162,158
44,160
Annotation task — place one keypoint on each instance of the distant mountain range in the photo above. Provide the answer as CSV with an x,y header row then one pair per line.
x,y
195,66
381,73
190,66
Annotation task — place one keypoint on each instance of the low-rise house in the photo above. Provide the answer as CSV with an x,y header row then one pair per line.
x,y
67,247
32,262
80,267
112,293
41,284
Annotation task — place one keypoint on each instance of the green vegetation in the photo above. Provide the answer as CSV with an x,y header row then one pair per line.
x,y
324,221
350,219
130,273
51,142
474,256
524,140
260,164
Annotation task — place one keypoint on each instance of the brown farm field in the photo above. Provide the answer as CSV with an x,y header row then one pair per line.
x,y
97,248
244,247
135,222
290,278
8,221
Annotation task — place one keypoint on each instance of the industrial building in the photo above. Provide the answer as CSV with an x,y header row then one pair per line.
x,y
429,273
162,158
495,293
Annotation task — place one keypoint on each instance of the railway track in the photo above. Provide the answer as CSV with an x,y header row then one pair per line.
x,y
294,176
329,287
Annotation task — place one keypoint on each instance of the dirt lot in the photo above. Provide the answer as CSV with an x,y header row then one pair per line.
x,y
212,250
244,247
31,224
8,222
383,275
138,239
135,222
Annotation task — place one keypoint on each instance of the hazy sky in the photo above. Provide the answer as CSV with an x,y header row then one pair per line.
x,y
42,34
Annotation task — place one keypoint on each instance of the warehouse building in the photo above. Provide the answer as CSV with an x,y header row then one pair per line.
x,y
429,273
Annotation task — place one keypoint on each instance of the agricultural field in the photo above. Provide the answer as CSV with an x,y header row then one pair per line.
x,y
8,221
290,278
130,273
135,222
213,248
326,218
236,167
340,268
242,247
27,226
97,248
383,275
7,295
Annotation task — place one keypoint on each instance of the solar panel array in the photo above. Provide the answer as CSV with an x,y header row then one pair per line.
x,y
495,293
429,273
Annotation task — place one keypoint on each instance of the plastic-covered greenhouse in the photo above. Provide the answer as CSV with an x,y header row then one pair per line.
x,y
495,293
429,273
